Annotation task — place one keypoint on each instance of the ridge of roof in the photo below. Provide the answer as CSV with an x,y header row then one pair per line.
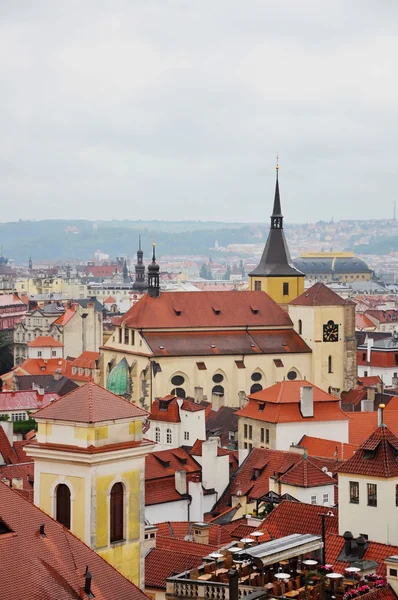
x,y
320,295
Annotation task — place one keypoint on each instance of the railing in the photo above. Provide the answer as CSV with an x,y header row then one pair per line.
x,y
208,590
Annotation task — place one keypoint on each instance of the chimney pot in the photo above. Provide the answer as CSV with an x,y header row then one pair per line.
x,y
348,537
87,582
307,401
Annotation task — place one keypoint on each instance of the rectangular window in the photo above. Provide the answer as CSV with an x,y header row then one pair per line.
x,y
393,572
257,286
120,335
245,445
250,446
285,289
372,494
325,498
126,335
250,432
365,373
39,353
53,353
267,436
245,431
313,499
396,495
396,358
186,435
132,337
262,435
363,355
354,492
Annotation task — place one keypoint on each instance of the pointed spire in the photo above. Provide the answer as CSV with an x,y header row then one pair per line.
x,y
139,240
277,211
153,252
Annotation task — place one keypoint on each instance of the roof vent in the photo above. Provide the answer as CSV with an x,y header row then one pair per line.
x,y
87,583
254,310
216,310
212,346
42,533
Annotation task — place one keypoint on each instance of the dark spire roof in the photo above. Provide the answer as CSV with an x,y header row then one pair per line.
x,y
139,282
153,275
153,267
276,260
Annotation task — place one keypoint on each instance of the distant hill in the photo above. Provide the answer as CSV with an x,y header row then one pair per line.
x,y
62,240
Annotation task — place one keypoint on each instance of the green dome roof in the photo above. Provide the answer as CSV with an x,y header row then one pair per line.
x,y
119,381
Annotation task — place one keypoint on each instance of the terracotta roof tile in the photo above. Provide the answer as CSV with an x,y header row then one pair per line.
x,y
164,463
161,564
296,517
209,343
165,409
39,366
306,474
207,309
90,403
242,531
287,413
320,295
178,530
24,472
45,341
375,551
362,424
327,448
392,405
51,567
362,322
6,449
289,391
65,317
383,445
22,400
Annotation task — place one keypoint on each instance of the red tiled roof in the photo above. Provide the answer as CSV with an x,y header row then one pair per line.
x,y
296,517
163,464
289,413
327,448
241,531
170,413
21,400
45,341
384,444
24,472
353,396
90,403
110,300
306,474
161,564
375,551
40,366
209,343
159,492
378,358
218,535
20,451
51,567
6,450
267,462
196,450
207,309
362,424
289,391
86,360
65,317
383,316
320,295
392,405
362,322
10,300
100,270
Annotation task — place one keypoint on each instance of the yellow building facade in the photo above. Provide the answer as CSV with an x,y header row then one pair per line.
x,y
89,460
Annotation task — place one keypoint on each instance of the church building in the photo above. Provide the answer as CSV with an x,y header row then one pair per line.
x,y
223,346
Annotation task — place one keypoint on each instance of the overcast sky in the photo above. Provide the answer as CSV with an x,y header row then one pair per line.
x,y
175,109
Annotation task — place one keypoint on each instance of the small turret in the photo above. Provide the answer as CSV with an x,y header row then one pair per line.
x,y
153,276
139,282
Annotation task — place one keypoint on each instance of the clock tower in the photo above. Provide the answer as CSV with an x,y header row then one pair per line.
x,y
326,322
275,273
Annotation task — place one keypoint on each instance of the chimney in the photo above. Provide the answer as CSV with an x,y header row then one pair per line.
x,y
181,482
201,533
150,537
391,563
233,584
369,345
195,490
198,395
17,483
307,401
380,422
361,547
371,393
367,405
348,537
87,583
57,375
5,481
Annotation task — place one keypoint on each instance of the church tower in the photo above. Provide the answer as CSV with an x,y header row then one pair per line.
x,y
89,461
275,273
139,282
153,276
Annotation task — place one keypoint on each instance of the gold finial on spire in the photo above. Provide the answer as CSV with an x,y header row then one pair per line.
x,y
277,161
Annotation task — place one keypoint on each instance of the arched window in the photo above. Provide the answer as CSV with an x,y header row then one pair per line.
x,y
62,511
169,436
218,390
157,434
330,370
256,387
117,513
300,326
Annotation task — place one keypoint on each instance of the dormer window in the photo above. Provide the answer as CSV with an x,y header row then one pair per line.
x,y
261,406
256,473
163,405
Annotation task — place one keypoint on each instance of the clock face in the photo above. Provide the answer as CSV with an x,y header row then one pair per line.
x,y
331,332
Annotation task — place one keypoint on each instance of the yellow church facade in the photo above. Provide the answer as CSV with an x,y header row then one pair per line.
x,y
89,460
223,346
